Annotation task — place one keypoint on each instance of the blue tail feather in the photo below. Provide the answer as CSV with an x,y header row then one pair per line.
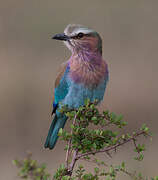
x,y
57,123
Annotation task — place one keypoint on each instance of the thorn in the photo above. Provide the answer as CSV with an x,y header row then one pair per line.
x,y
107,152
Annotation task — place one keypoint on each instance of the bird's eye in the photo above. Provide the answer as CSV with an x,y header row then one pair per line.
x,y
80,35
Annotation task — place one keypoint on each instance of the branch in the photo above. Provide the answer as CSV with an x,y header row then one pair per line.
x,y
74,159
69,144
107,149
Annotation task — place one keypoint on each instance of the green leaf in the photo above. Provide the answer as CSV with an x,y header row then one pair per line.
x,y
72,126
96,170
15,162
94,146
123,165
60,132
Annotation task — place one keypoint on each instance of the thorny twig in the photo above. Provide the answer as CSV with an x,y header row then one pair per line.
x,y
107,149
74,159
76,155
69,144
134,142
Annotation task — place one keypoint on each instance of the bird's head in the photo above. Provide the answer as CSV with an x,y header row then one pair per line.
x,y
80,38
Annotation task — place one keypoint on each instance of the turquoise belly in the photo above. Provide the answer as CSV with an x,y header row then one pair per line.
x,y
78,94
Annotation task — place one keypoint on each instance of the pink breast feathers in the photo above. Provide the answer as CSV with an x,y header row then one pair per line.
x,y
90,74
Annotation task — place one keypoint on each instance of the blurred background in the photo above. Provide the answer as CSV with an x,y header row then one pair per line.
x,y
29,61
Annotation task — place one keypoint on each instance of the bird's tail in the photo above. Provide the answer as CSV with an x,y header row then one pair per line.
x,y
57,123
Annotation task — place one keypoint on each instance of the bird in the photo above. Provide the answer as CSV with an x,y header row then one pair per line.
x,y
83,76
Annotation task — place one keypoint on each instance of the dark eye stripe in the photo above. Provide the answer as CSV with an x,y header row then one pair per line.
x,y
78,36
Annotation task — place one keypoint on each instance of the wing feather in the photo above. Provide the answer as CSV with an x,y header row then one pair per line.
x,y
61,86
60,74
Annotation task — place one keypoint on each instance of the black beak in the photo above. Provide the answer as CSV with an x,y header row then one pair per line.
x,y
62,37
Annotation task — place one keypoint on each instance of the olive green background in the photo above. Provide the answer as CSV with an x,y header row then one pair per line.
x,y
29,61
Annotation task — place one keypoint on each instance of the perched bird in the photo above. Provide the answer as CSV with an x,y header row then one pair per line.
x,y
83,76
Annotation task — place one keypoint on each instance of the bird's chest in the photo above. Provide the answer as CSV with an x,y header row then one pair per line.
x,y
87,74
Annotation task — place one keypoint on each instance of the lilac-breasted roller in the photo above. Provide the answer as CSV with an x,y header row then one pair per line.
x,y
83,76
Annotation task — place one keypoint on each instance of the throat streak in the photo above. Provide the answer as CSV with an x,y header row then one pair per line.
x,y
89,72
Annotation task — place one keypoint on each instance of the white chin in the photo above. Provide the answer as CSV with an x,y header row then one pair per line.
x,y
68,45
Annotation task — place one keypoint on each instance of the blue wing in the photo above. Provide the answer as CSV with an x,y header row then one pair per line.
x,y
61,86
59,120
